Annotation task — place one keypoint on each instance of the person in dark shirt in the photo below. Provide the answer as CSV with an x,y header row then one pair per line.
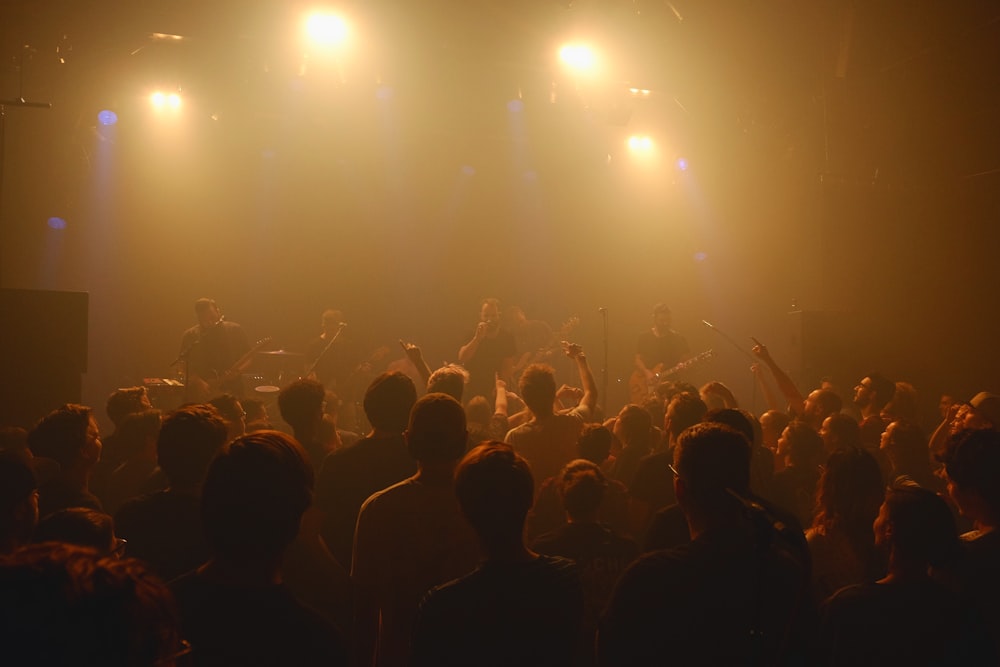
x,y
348,476
68,436
733,596
634,428
872,394
907,618
972,464
517,608
164,529
66,605
652,489
490,351
301,406
234,609
600,553
656,350
209,350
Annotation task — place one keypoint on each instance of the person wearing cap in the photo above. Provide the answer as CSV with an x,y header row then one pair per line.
x,y
411,536
982,413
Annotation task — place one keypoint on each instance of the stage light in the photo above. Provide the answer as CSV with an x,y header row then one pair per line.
x,y
682,164
515,106
161,100
384,93
468,170
640,92
57,223
579,58
324,29
640,144
107,117
700,257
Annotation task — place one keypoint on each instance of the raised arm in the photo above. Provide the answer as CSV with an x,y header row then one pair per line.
x,y
765,387
416,358
588,402
500,404
468,351
796,402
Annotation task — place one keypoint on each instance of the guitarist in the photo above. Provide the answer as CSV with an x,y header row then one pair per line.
x,y
658,349
210,348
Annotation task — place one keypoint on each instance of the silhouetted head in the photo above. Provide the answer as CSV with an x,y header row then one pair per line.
x,y
254,495
388,402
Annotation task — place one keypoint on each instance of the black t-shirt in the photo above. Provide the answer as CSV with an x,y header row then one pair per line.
x,y
920,623
164,529
253,626
526,613
669,349
486,363
346,479
602,557
213,350
699,604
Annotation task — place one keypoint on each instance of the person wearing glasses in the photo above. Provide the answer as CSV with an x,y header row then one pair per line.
x,y
736,595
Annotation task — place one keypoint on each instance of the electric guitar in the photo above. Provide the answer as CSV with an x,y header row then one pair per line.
x,y
201,389
640,388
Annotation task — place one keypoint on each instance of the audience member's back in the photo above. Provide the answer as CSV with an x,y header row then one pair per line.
x,y
411,536
515,609
600,553
234,609
907,618
728,597
350,475
164,528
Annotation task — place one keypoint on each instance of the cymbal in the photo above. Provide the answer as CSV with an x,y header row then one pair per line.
x,y
282,353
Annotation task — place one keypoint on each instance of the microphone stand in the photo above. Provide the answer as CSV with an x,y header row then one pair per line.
x,y
728,339
314,364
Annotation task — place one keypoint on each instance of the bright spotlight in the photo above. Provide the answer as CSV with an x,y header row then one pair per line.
x,y
326,29
639,144
682,164
161,100
107,117
56,223
578,57
640,92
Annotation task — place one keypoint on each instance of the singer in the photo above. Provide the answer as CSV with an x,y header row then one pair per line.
x,y
491,350
210,349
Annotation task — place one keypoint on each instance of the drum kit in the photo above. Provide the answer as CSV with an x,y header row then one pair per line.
x,y
273,370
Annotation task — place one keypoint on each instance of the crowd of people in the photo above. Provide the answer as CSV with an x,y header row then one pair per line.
x,y
480,523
